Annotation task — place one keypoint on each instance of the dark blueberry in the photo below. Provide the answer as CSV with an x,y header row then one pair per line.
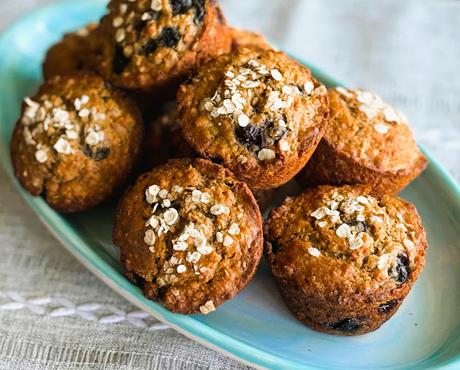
x,y
169,37
98,155
276,247
150,47
119,61
218,160
140,25
101,154
250,135
385,307
200,10
402,270
188,80
361,227
180,6
87,151
348,325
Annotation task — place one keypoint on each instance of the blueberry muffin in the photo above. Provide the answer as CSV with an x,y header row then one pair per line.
x,y
190,235
75,52
257,112
155,43
344,259
244,39
164,139
76,141
366,142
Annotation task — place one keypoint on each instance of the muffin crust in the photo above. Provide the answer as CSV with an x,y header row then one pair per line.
x,y
76,141
344,260
257,112
75,52
366,142
190,235
248,39
148,44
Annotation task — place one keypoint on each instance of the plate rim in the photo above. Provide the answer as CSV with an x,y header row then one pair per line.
x,y
193,329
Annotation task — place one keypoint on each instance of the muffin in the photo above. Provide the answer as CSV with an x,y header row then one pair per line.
x,y
164,139
148,44
190,235
75,52
76,141
344,260
257,112
366,142
244,39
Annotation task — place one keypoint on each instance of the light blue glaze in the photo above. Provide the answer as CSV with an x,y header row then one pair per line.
x,y
255,327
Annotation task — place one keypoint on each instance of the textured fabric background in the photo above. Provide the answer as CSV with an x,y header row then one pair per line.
x,y
56,315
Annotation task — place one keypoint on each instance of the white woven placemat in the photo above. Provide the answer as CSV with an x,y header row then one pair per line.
x,y
56,315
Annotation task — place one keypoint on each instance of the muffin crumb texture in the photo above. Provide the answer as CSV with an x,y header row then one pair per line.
x,y
150,44
201,237
366,142
343,257
256,111
76,141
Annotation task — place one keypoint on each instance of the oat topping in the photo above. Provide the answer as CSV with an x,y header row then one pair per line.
x,y
357,220
314,252
143,27
190,241
207,308
64,125
249,89
374,108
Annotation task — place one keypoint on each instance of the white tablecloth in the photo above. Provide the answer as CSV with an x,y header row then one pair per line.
x,y
56,315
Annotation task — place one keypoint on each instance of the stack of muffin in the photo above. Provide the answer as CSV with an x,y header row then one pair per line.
x,y
247,119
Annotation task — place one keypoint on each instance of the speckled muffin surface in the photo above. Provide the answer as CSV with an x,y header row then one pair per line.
x,y
343,259
75,52
164,139
245,39
190,235
366,142
148,44
76,141
255,111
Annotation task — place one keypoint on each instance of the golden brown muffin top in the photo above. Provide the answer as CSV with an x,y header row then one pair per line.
x,y
253,107
71,115
148,42
163,27
362,241
75,52
370,131
192,229
244,39
75,128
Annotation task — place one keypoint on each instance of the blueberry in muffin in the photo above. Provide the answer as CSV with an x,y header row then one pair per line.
x,y
366,142
76,141
255,111
155,43
190,235
344,259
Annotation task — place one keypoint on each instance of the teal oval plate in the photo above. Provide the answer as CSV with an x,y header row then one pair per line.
x,y
255,327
